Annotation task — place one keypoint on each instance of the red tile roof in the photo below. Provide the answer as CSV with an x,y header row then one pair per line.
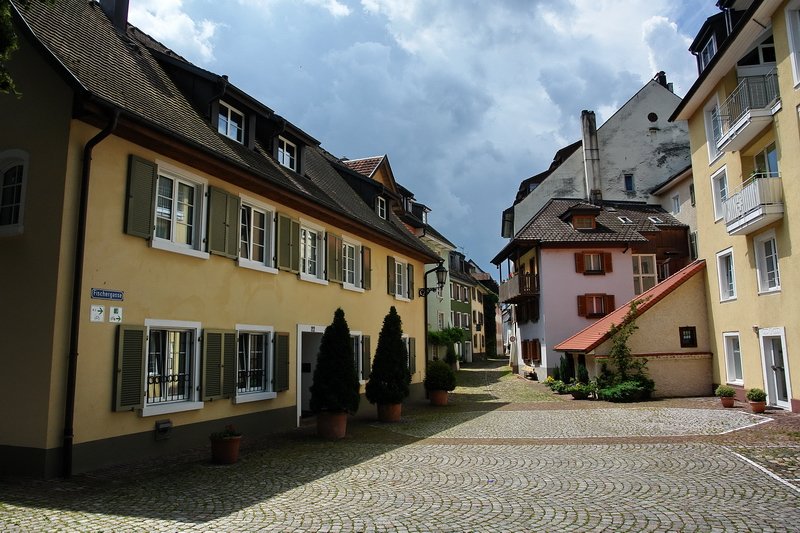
x,y
592,336
365,166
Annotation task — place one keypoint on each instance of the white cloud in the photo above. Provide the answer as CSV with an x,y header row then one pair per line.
x,y
334,7
168,22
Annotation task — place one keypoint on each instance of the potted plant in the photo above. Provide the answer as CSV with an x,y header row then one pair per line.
x,y
225,445
335,387
757,399
580,391
439,379
726,395
389,378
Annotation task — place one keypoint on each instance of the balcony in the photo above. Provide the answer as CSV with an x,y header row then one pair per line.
x,y
757,203
746,112
519,288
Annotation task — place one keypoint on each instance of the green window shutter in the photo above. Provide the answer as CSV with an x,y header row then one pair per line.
x,y
288,245
366,357
130,363
139,210
390,274
412,355
281,361
213,341
229,370
334,257
223,223
366,268
410,281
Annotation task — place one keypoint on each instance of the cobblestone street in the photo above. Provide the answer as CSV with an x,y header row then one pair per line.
x,y
481,464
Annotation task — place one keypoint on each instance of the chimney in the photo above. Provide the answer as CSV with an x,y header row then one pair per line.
x,y
661,78
591,156
117,11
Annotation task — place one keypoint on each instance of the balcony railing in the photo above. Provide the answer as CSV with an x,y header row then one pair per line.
x,y
746,111
758,202
519,287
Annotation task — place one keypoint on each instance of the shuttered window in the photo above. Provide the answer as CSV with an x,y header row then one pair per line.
x,y
335,251
223,223
256,235
129,371
391,272
595,305
366,268
219,364
139,208
593,263
281,370
288,243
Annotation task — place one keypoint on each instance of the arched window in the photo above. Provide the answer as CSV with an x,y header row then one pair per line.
x,y
13,174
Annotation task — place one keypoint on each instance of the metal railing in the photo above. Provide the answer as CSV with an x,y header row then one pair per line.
x,y
168,387
762,189
753,92
252,380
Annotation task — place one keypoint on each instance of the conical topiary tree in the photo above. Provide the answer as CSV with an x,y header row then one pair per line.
x,y
390,378
335,386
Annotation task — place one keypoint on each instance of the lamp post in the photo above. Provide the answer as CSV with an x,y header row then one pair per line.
x,y
441,279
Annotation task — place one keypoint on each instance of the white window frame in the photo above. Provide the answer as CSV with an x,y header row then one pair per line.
x,y
401,280
625,220
200,185
704,55
8,160
357,284
285,156
452,319
407,343
726,277
269,393
676,204
380,206
225,128
194,402
719,183
595,305
319,276
708,116
792,13
269,245
440,322
637,261
762,273
593,262
731,354
358,361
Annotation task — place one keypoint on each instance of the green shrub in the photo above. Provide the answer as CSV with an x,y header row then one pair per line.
x,y
581,391
439,376
557,374
756,395
583,374
335,385
390,378
559,387
565,369
627,391
724,391
450,357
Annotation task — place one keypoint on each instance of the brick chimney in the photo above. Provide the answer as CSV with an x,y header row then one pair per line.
x,y
591,157
117,11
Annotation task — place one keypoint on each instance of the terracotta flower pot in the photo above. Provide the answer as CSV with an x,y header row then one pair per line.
x,y
225,451
389,412
437,397
332,425
727,401
758,407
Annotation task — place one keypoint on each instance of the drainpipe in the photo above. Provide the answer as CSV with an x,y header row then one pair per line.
x,y
77,291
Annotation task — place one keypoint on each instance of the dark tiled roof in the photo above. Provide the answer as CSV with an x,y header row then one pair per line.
x,y
430,230
365,166
122,70
550,226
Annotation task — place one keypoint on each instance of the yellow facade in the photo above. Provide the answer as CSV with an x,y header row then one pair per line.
x,y
757,316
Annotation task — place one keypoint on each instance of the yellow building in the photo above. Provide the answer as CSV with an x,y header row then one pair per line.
x,y
172,251
742,114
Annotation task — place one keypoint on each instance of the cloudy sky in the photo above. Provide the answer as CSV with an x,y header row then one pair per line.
x,y
467,97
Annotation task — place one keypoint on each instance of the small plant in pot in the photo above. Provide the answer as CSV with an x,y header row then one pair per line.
x,y
439,379
390,377
757,399
334,392
581,391
726,395
225,445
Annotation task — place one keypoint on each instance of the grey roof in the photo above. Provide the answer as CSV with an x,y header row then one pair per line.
x,y
550,225
122,70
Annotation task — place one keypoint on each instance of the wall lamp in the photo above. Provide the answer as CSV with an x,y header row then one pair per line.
x,y
441,279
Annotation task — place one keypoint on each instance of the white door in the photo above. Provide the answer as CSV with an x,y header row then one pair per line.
x,y
775,367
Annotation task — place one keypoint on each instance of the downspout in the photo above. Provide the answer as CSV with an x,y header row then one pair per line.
x,y
77,291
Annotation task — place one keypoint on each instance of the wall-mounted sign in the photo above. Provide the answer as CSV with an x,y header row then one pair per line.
x,y
104,294
115,314
98,313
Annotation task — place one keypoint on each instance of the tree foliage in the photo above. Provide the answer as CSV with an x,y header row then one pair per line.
x,y
335,386
490,325
390,378
9,42
446,336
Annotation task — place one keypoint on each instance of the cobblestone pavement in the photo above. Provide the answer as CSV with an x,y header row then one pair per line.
x,y
557,466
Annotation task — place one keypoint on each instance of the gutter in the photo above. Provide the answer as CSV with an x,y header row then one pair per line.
x,y
77,290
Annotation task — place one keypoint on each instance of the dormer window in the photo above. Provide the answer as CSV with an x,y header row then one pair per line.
x,y
707,53
583,222
287,153
380,207
231,122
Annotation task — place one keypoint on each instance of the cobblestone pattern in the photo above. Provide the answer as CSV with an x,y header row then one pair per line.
x,y
423,487
645,421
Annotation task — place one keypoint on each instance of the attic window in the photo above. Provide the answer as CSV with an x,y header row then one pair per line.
x,y
707,53
655,220
629,187
625,220
287,153
380,207
231,122
583,222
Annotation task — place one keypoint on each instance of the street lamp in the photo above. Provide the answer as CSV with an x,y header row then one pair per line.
x,y
441,279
